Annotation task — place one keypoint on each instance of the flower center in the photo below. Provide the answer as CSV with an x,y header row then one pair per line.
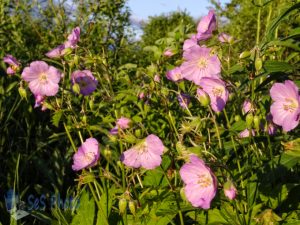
x,y
43,78
217,91
290,105
142,147
202,63
204,180
89,156
177,76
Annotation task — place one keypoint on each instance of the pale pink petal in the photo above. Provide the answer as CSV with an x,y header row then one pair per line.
x,y
131,158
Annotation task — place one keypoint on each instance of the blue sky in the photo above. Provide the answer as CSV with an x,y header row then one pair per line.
x,y
141,9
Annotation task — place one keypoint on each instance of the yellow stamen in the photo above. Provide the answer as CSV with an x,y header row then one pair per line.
x,y
204,180
291,105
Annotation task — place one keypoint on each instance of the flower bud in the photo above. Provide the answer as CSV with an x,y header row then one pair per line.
x,y
249,120
132,207
229,190
256,122
107,153
22,92
245,54
122,205
203,97
237,118
258,64
182,194
76,88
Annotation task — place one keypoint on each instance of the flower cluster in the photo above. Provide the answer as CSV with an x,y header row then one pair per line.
x,y
201,66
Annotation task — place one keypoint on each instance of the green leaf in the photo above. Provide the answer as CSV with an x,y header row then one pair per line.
x,y
277,66
56,118
288,161
86,211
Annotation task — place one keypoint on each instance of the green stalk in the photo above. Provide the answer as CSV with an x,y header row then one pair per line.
x,y
70,138
216,126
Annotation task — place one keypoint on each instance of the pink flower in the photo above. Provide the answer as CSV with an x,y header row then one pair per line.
x,y
271,128
217,92
229,190
13,63
122,123
146,154
200,182
86,81
43,79
157,78
246,133
206,26
174,74
141,95
87,155
286,106
73,38
188,43
39,100
199,63
56,52
225,38
247,106
168,53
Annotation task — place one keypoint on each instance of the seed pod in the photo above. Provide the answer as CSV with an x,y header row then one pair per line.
x,y
237,118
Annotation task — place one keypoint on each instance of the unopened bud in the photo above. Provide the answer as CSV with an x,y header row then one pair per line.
x,y
182,194
107,153
237,118
249,120
22,92
76,88
245,54
132,207
122,205
258,64
229,190
203,97
256,122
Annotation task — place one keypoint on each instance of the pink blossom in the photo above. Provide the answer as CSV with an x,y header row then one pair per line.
x,y
39,100
13,63
56,52
225,38
247,106
141,95
87,155
43,79
206,26
146,154
230,190
86,81
174,74
73,38
217,92
246,133
188,43
168,52
200,182
199,63
286,106
157,78
270,127
122,123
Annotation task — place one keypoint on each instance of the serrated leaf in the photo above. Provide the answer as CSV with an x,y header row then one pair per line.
x,y
56,118
277,66
86,211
